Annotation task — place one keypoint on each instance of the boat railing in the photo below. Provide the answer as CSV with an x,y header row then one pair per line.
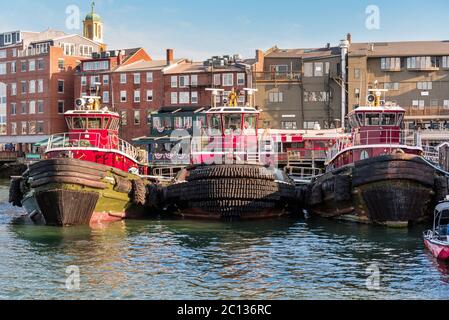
x,y
431,154
91,140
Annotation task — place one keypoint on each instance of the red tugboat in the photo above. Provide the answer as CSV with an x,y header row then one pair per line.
x,y
437,239
232,175
89,175
376,174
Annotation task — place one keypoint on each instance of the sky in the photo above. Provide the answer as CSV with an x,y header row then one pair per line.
x,y
199,29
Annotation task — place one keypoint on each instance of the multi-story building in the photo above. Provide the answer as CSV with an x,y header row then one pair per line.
x,y
416,75
299,88
37,83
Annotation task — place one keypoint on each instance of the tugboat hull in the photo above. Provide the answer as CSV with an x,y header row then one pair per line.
x,y
65,192
393,190
231,192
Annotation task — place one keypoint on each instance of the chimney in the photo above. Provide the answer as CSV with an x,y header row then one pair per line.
x,y
349,38
169,56
260,56
328,45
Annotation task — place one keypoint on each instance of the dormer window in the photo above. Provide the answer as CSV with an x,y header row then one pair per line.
x,y
7,38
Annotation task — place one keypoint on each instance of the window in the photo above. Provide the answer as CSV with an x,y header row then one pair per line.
x,y
23,66
60,107
32,107
61,64
149,95
2,54
32,127
184,97
184,81
241,79
446,104
392,86
136,95
275,97
13,128
13,89
123,78
23,107
310,125
124,117
434,103
174,98
149,77
94,80
217,79
318,69
194,97
32,65
422,63
83,81
194,80
60,86
40,64
418,104
23,127
7,38
106,79
13,67
319,96
308,69
280,69
105,96
228,80
174,81
123,96
424,85
390,64
136,117
2,68
40,127
136,78
40,85
289,125
40,106
14,52
13,108
23,85
327,68
32,86
357,73
96,65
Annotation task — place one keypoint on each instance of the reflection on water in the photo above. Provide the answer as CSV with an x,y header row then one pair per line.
x,y
179,259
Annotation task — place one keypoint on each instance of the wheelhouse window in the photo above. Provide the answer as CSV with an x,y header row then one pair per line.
x,y
250,124
232,124
372,119
214,121
388,119
94,123
79,123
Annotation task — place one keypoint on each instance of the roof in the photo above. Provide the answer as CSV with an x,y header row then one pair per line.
x,y
399,49
378,109
303,53
144,65
198,67
93,17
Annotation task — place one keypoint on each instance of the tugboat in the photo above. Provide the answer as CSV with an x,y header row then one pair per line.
x,y
376,174
232,174
437,239
89,175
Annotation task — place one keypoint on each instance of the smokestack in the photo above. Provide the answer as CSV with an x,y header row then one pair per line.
x,y
349,38
170,56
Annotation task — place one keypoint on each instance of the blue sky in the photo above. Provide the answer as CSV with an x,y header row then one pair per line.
x,y
198,29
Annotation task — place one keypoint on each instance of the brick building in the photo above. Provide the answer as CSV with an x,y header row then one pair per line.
x,y
36,83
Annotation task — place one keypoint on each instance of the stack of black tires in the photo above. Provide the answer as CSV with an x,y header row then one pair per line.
x,y
232,191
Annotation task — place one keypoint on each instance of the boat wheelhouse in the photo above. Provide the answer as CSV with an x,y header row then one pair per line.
x,y
437,239
94,136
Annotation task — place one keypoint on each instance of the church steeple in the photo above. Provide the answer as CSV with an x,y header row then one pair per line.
x,y
93,26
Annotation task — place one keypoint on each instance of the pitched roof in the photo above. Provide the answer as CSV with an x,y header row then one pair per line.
x,y
302,53
143,65
197,67
404,48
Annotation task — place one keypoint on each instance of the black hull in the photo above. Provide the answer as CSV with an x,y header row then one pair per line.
x,y
230,192
67,207
393,190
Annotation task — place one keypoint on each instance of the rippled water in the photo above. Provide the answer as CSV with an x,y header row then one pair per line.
x,y
179,259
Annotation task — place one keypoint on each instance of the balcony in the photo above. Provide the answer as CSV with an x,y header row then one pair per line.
x,y
294,76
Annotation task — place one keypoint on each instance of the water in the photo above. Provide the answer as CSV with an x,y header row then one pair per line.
x,y
178,259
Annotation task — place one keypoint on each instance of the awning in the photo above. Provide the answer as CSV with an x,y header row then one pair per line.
x,y
150,140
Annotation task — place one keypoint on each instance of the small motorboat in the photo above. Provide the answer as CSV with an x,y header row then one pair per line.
x,y
437,240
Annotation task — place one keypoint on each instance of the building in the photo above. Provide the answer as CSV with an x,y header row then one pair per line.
x,y
93,27
416,73
299,88
37,82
